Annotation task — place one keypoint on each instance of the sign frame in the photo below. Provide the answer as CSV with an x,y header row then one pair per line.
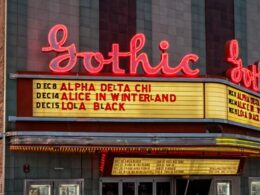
x,y
171,165
25,78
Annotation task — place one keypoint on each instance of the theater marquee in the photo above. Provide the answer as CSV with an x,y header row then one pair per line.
x,y
120,99
179,166
228,103
131,97
144,100
243,107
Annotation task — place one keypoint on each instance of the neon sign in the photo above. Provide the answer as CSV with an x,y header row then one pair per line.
x,y
69,56
94,62
249,76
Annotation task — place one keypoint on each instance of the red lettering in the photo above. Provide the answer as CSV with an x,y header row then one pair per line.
x,y
144,97
252,108
82,106
96,106
103,87
69,56
121,107
87,96
64,96
108,107
249,76
114,106
142,88
57,64
172,98
157,98
127,88
63,86
241,104
126,97
123,87
92,87
68,106
77,86
115,96
134,96
75,96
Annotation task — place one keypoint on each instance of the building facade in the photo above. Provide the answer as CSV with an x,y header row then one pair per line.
x,y
2,93
130,97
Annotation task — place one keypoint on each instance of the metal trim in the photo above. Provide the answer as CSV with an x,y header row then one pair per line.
x,y
123,120
123,139
108,134
67,119
140,135
129,78
111,141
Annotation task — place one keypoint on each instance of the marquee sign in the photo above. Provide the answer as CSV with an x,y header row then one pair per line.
x,y
170,166
143,100
243,107
117,99
228,103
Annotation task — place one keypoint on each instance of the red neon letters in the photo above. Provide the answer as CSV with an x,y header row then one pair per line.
x,y
69,56
248,77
